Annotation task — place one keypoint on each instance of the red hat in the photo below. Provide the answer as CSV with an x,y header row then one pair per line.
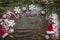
x,y
50,29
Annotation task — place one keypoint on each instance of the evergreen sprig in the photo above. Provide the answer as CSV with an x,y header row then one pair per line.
x,y
52,5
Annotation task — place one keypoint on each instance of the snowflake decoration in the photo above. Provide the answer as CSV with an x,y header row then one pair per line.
x,y
55,19
17,10
32,7
11,23
54,16
35,9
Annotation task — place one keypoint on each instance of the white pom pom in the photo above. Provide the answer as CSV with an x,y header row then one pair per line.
x,y
43,12
11,30
14,23
24,8
47,37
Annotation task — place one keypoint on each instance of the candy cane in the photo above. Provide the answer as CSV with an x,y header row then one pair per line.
x,y
10,14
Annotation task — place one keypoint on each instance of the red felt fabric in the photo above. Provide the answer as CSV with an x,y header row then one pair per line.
x,y
2,32
50,28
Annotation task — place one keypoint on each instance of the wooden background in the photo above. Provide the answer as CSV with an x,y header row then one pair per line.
x,y
29,27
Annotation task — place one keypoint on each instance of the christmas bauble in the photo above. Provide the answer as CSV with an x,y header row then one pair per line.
x,y
47,37
11,30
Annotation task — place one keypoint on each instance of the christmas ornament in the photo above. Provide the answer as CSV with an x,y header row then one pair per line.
x,y
54,16
11,30
17,9
47,37
43,12
11,23
24,8
32,7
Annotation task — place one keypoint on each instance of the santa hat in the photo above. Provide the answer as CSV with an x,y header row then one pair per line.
x,y
2,32
50,29
4,35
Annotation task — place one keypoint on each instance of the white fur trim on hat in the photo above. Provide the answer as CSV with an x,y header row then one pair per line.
x,y
50,32
6,34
